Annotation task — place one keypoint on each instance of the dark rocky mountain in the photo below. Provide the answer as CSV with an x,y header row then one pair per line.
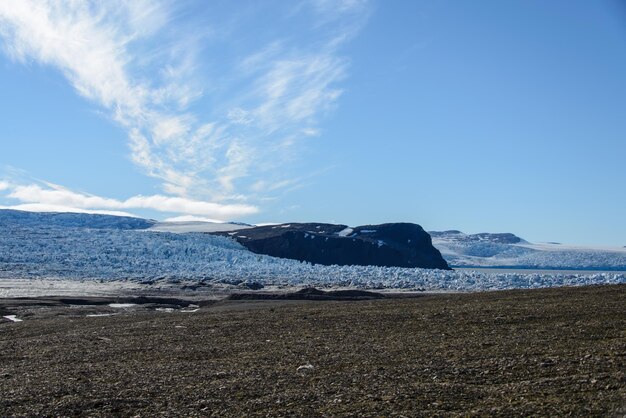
x,y
394,244
71,220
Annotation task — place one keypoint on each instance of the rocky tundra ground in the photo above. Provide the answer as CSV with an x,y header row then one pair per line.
x,y
549,352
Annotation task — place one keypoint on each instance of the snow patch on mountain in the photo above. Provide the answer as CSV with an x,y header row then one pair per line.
x,y
345,232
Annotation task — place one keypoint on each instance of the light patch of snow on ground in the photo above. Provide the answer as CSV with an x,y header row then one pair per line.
x,y
12,318
368,231
122,305
380,243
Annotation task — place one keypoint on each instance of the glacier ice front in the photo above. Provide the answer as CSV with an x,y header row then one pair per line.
x,y
110,254
31,250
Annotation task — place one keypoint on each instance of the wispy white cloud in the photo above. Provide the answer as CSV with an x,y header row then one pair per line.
x,y
115,54
77,38
51,197
4,185
292,91
264,185
339,6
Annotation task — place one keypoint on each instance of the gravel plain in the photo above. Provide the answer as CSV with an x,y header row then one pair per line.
x,y
547,352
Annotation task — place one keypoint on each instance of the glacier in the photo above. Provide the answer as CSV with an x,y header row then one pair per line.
x,y
134,253
507,250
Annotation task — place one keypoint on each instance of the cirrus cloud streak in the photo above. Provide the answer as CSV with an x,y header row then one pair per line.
x,y
137,62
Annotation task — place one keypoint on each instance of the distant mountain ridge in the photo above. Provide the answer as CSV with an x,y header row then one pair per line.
x,y
508,250
501,238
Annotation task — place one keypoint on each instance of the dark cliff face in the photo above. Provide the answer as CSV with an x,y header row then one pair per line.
x,y
390,245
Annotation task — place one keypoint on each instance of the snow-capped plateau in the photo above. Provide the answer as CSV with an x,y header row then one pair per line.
x,y
508,250
196,226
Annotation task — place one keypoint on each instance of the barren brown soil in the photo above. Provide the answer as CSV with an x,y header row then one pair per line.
x,y
552,352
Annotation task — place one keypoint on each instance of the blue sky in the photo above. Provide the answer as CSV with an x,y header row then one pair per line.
x,y
480,116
